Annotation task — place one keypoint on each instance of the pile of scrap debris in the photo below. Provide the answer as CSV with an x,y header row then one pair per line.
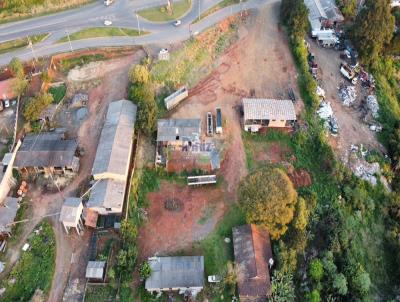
x,y
347,94
370,172
325,112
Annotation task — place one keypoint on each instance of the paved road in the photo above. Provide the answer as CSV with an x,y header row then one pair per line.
x,y
123,15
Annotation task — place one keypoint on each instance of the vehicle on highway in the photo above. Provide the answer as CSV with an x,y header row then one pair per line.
x,y
214,279
108,2
177,23
107,22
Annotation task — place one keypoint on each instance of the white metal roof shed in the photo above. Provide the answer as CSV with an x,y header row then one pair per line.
x,y
95,269
268,109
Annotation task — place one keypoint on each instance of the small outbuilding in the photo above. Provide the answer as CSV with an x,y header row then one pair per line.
x,y
262,113
96,271
253,256
184,274
71,214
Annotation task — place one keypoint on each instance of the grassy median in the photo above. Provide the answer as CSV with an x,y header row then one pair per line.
x,y
160,13
20,43
96,32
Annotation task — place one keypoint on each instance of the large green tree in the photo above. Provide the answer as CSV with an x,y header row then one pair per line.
x,y
143,95
373,28
294,14
347,7
268,198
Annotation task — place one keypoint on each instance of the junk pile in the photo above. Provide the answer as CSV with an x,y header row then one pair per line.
x,y
367,79
348,95
370,172
79,100
373,106
325,112
366,171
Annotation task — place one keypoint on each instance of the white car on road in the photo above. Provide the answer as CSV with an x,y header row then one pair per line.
x,y
107,22
177,23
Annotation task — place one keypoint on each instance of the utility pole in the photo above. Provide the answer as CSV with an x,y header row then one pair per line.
x,y
138,24
199,10
69,40
31,46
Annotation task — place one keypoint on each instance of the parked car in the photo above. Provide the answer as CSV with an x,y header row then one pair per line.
x,y
177,23
214,279
107,22
6,103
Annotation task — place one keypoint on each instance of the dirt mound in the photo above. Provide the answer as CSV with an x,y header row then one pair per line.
x,y
300,178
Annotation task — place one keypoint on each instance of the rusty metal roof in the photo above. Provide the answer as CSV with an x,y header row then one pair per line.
x,y
252,249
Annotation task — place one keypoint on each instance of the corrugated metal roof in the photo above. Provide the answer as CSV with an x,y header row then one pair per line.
x,y
71,210
185,129
176,272
268,109
107,193
46,150
113,151
252,249
95,269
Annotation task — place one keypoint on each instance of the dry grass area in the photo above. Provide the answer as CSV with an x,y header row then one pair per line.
x,y
16,9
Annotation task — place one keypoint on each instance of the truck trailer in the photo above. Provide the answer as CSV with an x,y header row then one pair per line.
x,y
174,99
218,121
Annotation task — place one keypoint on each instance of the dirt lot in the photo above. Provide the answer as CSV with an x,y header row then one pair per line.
x,y
259,61
351,128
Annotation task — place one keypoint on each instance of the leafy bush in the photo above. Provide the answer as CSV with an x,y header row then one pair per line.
x,y
314,296
145,270
282,287
316,270
35,106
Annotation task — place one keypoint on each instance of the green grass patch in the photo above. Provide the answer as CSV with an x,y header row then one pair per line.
x,y
160,13
15,10
20,43
96,32
58,93
34,269
194,61
211,10
70,63
216,251
100,293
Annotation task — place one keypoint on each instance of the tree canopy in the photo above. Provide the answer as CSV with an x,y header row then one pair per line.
x,y
17,68
373,28
143,95
139,74
294,14
36,105
268,198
